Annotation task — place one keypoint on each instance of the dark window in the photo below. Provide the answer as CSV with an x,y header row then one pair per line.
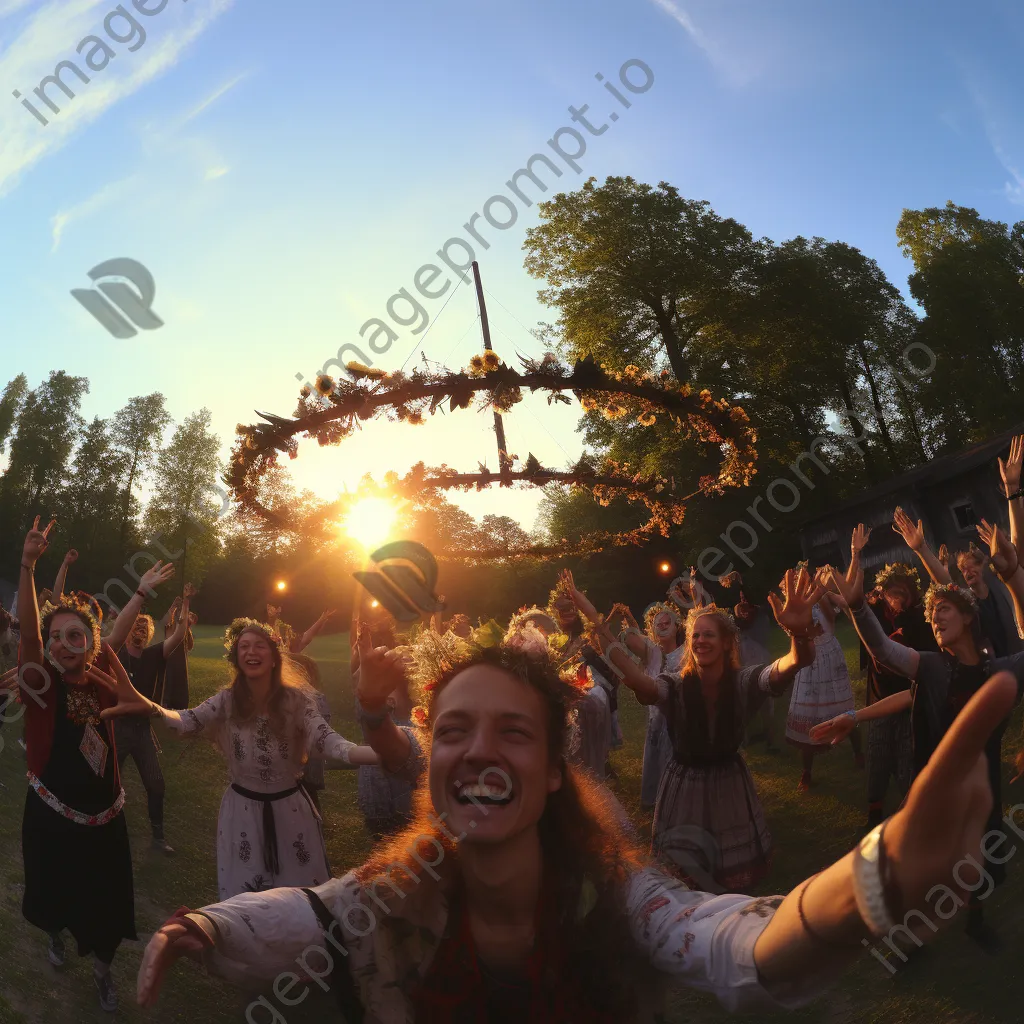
x,y
963,513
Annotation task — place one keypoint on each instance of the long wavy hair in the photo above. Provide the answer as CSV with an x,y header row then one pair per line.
x,y
290,692
727,629
588,859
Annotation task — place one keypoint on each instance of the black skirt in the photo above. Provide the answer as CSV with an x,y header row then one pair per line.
x,y
77,877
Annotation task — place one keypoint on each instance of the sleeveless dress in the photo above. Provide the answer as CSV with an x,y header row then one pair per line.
x,y
709,827
822,690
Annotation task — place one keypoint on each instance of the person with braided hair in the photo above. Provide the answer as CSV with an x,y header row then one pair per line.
x,y
942,682
266,723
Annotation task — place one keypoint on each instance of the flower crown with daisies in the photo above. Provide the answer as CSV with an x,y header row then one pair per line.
x,y
247,625
898,572
961,597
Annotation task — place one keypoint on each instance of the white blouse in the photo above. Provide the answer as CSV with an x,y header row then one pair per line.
x,y
257,758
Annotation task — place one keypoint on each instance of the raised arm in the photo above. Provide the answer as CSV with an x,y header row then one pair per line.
x,y
926,844
62,575
1010,471
381,672
858,542
152,578
31,649
886,652
913,535
1007,564
794,612
182,624
299,645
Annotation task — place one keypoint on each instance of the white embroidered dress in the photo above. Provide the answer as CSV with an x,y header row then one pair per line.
x,y
259,762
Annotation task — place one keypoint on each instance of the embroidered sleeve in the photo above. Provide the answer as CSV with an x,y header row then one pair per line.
x,y
193,721
263,936
707,942
322,742
665,683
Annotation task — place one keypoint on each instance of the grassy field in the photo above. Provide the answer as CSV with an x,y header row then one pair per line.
x,y
954,982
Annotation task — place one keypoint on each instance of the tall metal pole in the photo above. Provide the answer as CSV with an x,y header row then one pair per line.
x,y
504,462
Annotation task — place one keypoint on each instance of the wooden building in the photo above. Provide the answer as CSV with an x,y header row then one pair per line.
x,y
950,494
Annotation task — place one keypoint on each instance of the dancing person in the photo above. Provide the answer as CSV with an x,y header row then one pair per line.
x,y
514,897
821,690
897,604
62,575
78,864
145,663
996,616
266,724
708,820
942,682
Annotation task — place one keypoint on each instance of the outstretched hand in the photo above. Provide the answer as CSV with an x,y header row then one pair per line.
x,y
381,672
911,532
859,539
794,610
158,573
168,944
1002,553
115,679
1010,470
851,591
834,731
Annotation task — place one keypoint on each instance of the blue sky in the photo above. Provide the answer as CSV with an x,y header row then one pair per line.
x,y
283,170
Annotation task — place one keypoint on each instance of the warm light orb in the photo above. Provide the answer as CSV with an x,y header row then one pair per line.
x,y
375,603
370,520
665,567
281,585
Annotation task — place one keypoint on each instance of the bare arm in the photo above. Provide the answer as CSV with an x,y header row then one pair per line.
x,y
62,575
1008,567
307,638
31,650
181,626
913,534
381,672
158,574
1010,471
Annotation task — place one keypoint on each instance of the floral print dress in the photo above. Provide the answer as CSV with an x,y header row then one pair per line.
x,y
260,762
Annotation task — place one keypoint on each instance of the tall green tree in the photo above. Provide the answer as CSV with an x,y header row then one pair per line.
x,y
636,272
969,279
136,431
10,402
182,513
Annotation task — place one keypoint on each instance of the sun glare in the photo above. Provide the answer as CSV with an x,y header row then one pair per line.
x,y
370,521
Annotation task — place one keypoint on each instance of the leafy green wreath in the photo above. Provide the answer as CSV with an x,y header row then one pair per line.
x,y
332,411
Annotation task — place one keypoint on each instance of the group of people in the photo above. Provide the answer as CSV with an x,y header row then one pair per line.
x,y
507,882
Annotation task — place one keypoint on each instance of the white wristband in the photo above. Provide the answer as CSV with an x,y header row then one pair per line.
x,y
868,884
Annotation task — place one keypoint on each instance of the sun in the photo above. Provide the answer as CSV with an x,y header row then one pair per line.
x,y
370,521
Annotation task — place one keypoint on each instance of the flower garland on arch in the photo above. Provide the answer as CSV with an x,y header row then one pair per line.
x,y
334,409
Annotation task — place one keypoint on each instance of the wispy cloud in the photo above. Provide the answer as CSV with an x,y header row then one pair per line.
x,y
994,127
213,97
735,71
49,36
60,220
216,172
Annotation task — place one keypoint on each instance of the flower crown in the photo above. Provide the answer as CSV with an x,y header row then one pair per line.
x,y
898,572
525,615
82,606
963,598
243,625
654,610
724,617
561,592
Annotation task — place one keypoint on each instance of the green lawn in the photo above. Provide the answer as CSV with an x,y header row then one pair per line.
x,y
955,982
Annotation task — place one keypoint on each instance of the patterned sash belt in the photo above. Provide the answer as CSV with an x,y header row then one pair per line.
x,y
270,856
70,813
